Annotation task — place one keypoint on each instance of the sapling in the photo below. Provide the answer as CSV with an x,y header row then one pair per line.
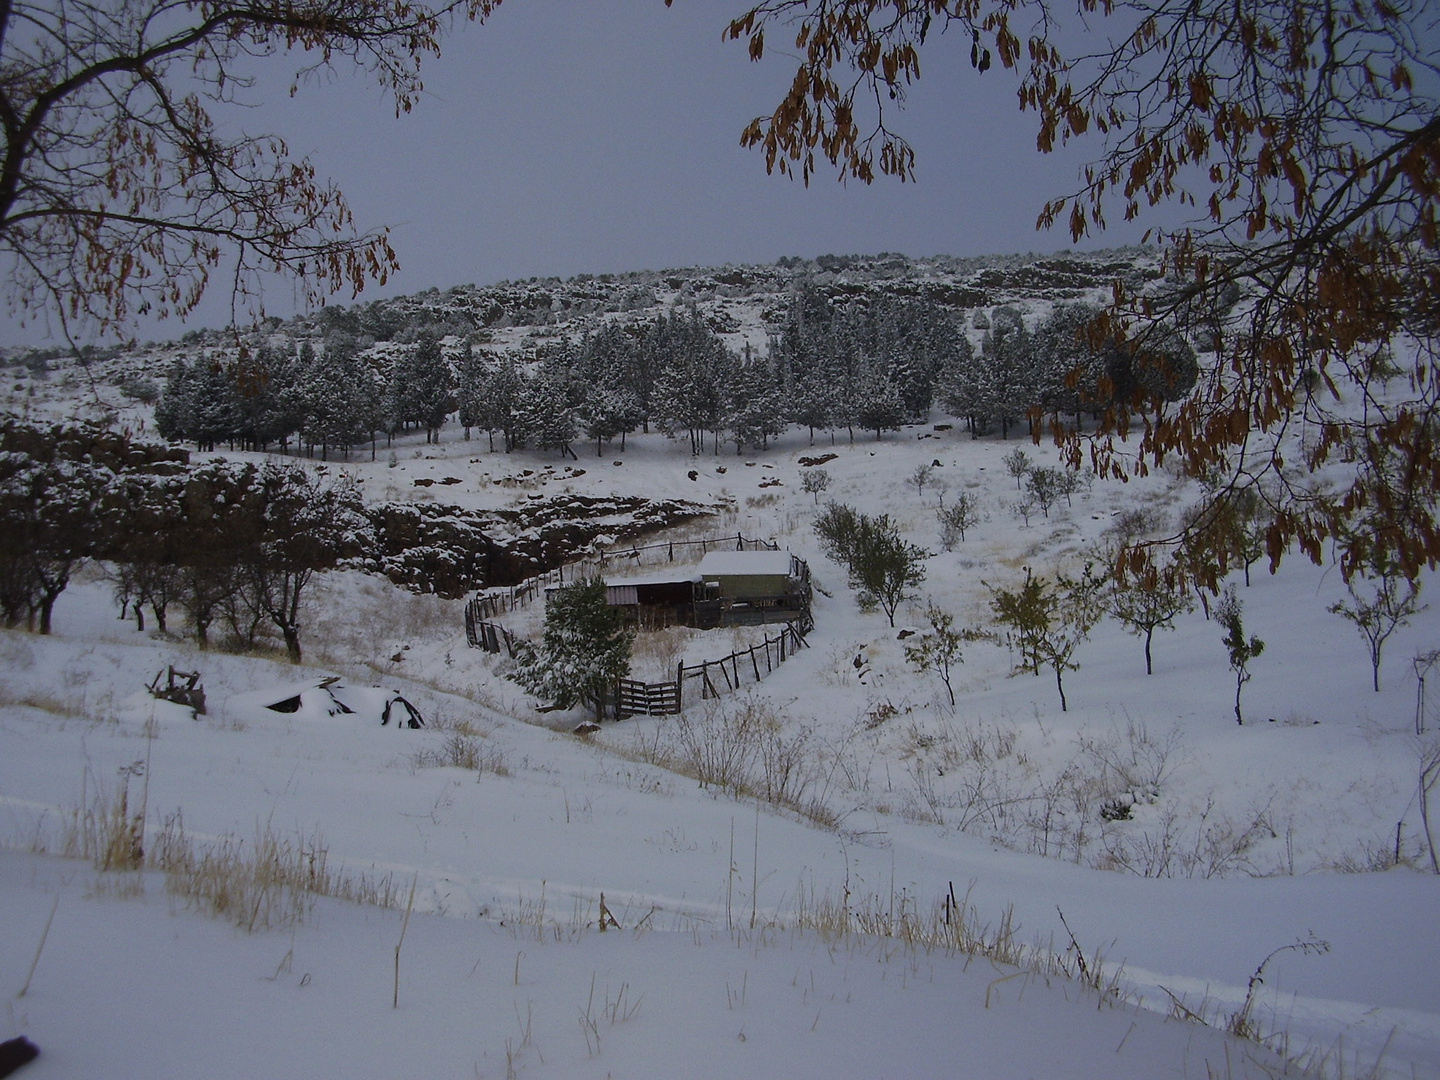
x,y
1146,604
939,650
815,482
885,569
1241,651
1043,487
1017,464
1377,612
1429,754
919,478
963,514
1048,622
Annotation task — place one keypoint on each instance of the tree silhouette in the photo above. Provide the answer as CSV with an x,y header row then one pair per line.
x,y
1306,138
120,195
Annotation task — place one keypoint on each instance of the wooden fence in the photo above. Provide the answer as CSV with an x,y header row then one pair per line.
x,y
632,697
635,698
490,636
736,669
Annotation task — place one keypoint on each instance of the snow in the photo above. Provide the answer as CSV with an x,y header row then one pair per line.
x,y
188,996
660,577
503,969
736,563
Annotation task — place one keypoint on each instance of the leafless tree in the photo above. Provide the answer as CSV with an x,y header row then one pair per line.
x,y
121,195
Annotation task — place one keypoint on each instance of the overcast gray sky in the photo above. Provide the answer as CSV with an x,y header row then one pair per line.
x,y
590,136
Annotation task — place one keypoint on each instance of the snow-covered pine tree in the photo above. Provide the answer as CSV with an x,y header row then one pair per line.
x,y
423,385
814,402
1007,388
957,384
544,416
584,651
610,411
757,408
337,394
876,403
695,372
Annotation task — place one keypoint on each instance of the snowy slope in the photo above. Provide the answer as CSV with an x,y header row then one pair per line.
x,y
1241,840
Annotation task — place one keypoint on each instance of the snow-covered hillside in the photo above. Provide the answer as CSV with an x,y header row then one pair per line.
x,y
831,872
712,971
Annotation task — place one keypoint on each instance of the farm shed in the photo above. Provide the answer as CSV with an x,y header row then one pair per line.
x,y
760,581
656,600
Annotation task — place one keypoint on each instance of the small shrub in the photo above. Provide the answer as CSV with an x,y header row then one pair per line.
x,y
955,519
461,749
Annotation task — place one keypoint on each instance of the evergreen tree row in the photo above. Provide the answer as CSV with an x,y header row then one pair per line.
x,y
333,398
868,366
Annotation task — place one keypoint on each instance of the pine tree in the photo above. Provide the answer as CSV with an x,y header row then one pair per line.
x,y
337,396
757,408
423,385
584,651
610,411
958,385
695,372
544,417
173,409
1007,383
876,403
814,402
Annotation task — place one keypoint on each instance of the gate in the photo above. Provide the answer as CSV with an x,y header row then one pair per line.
x,y
633,698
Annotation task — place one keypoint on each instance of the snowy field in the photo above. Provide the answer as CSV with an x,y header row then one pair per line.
x,y
740,947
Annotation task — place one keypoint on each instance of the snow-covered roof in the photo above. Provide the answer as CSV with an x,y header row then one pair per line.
x,y
736,563
660,577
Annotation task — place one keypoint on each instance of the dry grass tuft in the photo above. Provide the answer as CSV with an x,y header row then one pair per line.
x,y
271,881
743,747
462,750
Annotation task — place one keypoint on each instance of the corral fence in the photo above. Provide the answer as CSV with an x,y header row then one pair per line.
x,y
495,602
635,698
745,666
490,636
632,697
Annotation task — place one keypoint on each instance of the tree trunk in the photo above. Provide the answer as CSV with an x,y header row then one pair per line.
x,y
47,604
291,633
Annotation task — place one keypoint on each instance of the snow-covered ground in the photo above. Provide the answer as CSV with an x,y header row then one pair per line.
x,y
707,974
